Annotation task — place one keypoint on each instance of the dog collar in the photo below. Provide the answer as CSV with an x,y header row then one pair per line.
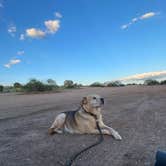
x,y
95,116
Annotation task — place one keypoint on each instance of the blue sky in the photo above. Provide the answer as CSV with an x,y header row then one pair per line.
x,y
82,40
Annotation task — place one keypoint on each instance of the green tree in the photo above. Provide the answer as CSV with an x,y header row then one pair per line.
x,y
97,84
34,85
163,82
115,84
68,84
151,82
17,85
51,82
1,88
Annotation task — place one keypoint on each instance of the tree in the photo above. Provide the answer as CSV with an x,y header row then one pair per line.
x,y
1,88
97,84
34,85
115,84
68,84
17,85
151,82
51,82
163,82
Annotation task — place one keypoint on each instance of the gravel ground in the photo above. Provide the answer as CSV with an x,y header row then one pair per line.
x,y
138,113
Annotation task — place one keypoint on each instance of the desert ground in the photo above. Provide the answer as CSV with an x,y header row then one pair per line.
x,y
138,113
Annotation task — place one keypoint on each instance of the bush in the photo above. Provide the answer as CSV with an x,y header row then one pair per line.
x,y
151,82
17,85
69,84
97,84
51,82
115,84
8,89
1,88
34,85
163,82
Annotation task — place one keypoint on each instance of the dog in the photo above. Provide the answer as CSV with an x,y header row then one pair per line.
x,y
83,120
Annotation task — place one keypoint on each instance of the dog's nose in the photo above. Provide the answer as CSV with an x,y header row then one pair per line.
x,y
102,100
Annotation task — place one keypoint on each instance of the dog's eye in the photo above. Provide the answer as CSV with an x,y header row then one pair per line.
x,y
94,98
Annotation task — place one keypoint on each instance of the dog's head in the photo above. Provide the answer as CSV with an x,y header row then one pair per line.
x,y
92,102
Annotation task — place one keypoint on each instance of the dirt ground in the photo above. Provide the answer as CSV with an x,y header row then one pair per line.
x,y
138,113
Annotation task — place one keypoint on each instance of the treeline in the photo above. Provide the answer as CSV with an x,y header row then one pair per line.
x,y
119,84
35,85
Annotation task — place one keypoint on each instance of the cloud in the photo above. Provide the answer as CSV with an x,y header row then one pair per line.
x,y
21,52
22,37
144,76
12,62
12,30
35,33
142,17
52,26
58,15
147,15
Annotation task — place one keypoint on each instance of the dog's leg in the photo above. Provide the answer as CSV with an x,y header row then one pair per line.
x,y
112,132
104,131
57,124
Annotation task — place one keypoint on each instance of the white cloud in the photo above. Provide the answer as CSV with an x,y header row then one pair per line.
x,y
35,33
124,26
12,62
144,76
52,26
21,52
22,37
134,20
147,15
58,15
12,30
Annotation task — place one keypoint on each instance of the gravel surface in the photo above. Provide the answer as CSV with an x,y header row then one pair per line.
x,y
138,113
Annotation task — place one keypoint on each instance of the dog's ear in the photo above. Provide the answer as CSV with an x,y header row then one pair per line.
x,y
84,101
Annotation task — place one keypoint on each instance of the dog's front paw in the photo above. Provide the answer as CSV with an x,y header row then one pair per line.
x,y
117,136
51,131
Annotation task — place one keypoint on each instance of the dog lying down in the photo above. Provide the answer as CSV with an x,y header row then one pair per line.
x,y
82,121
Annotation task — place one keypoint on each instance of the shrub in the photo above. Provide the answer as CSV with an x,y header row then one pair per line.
x,y
34,85
151,82
97,84
163,82
51,82
17,85
115,84
69,84
1,88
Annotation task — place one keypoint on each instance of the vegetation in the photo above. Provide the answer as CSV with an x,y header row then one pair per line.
x,y
151,82
115,84
1,88
163,82
97,84
35,85
17,85
70,84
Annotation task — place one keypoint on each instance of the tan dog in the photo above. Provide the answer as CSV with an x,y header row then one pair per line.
x,y
82,121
